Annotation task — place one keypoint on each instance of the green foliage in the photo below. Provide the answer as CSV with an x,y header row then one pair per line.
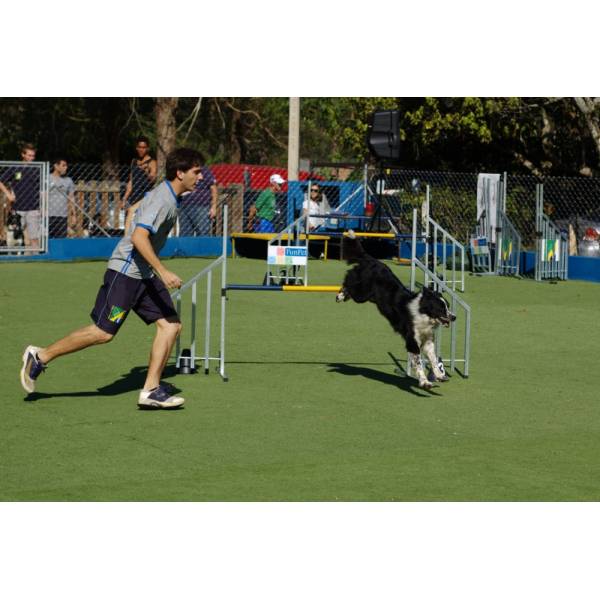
x,y
544,136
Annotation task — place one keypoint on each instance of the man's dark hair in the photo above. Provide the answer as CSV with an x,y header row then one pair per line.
x,y
142,138
182,159
58,160
27,146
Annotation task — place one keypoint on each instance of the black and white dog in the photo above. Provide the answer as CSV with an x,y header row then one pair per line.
x,y
14,230
414,315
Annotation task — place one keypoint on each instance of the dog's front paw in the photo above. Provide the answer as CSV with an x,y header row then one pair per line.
x,y
340,297
437,375
425,385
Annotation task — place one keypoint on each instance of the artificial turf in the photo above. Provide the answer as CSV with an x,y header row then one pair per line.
x,y
313,409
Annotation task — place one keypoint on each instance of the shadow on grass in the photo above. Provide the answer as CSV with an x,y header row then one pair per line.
x,y
129,382
408,384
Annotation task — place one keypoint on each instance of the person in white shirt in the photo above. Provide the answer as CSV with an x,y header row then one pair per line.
x,y
316,204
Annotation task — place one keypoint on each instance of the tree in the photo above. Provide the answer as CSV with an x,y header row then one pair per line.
x,y
166,129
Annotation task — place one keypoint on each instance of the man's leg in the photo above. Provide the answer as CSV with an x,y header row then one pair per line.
x,y
77,340
35,359
34,226
166,334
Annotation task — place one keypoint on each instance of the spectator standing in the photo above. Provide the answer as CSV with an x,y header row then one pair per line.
x,y
142,173
61,200
263,209
21,185
199,208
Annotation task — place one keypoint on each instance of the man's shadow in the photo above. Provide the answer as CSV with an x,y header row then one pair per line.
x,y
129,382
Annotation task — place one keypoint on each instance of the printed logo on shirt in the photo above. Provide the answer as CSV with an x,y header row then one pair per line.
x,y
117,314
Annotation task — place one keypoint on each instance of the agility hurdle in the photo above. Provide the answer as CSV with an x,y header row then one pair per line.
x,y
283,288
192,285
455,302
289,263
552,245
207,274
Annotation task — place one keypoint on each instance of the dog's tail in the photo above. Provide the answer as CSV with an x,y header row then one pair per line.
x,y
353,250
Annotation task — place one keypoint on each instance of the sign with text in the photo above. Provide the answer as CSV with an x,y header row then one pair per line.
x,y
287,255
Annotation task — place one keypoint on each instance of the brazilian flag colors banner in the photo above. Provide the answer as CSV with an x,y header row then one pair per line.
x,y
551,250
507,248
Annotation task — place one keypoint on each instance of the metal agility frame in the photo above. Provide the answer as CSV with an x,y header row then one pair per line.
x,y
192,284
504,238
435,234
433,279
552,245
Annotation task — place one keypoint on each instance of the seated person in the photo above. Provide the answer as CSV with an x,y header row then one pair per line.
x,y
316,204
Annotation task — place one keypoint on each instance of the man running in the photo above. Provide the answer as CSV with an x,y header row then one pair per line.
x,y
136,280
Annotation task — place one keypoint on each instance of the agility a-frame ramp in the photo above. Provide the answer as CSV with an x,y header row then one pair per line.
x,y
496,244
552,245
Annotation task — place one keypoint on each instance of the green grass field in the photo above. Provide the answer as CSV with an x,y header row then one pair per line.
x,y
313,409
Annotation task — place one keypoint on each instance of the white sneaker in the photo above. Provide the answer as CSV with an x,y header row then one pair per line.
x,y
159,397
31,369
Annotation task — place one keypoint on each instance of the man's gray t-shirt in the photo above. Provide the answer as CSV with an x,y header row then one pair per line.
x,y
157,213
59,189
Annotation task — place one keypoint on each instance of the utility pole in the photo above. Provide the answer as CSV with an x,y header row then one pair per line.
x,y
294,139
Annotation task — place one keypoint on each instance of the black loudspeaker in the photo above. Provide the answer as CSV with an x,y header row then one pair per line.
x,y
383,135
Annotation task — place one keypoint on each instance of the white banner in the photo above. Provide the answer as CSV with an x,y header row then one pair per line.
x,y
288,255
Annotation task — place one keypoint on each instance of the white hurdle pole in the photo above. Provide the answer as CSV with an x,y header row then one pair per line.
x,y
223,293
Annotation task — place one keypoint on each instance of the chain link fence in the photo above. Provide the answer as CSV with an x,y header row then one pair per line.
x,y
572,203
92,200
23,207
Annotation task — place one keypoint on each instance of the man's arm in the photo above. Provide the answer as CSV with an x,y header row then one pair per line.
x,y
71,213
152,170
10,195
141,242
128,190
214,197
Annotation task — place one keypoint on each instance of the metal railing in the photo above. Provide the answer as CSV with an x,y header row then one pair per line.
x,y
551,258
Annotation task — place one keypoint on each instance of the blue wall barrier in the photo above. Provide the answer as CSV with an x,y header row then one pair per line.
x,y
584,268
101,248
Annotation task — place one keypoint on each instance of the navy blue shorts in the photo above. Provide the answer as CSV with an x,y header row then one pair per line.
x,y
148,298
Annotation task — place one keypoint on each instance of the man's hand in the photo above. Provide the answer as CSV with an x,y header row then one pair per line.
x,y
170,279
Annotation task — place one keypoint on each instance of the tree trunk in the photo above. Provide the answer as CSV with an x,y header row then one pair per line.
x,y
166,129
589,109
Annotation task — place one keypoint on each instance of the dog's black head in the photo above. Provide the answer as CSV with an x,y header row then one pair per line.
x,y
434,305
13,221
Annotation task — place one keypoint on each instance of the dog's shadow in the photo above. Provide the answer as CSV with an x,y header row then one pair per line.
x,y
408,384
129,382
